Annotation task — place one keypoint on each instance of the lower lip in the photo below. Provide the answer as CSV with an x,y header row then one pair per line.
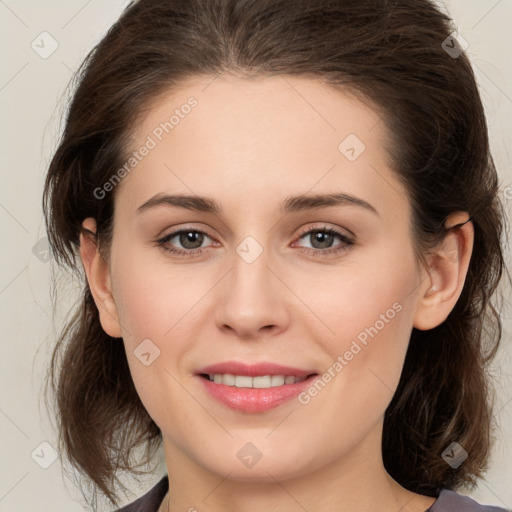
x,y
255,399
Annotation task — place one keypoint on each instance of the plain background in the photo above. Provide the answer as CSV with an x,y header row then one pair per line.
x,y
32,102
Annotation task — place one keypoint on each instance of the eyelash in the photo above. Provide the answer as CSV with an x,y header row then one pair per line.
x,y
345,244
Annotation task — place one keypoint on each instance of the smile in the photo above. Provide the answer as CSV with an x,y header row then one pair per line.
x,y
246,381
253,388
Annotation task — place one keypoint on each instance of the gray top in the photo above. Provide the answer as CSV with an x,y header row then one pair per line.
x,y
447,501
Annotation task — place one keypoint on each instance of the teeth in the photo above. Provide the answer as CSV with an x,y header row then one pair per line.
x,y
262,382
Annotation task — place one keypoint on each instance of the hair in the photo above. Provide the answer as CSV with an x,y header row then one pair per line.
x,y
390,54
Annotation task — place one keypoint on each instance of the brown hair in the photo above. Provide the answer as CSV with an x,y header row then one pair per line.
x,y
391,53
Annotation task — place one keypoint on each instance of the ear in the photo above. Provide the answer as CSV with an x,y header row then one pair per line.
x,y
447,268
98,277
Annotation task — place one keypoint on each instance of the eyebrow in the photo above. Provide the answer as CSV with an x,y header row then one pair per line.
x,y
290,204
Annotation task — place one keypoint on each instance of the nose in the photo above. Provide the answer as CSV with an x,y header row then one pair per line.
x,y
252,301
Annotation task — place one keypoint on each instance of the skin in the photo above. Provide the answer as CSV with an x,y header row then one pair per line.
x,y
249,144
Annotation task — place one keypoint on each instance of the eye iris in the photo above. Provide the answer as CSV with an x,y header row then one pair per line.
x,y
192,237
325,239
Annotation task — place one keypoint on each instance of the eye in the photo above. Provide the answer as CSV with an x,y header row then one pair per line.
x,y
190,239
321,240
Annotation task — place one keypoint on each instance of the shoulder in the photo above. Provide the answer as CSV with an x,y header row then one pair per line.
x,y
150,501
450,501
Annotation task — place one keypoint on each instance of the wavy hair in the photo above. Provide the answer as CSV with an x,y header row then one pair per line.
x,y
393,55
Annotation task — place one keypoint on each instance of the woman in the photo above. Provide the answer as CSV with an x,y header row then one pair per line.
x,y
288,221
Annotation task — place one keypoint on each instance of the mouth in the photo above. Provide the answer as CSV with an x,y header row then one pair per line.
x,y
246,381
254,388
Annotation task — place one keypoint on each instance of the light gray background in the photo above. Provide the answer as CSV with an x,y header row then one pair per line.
x,y
32,102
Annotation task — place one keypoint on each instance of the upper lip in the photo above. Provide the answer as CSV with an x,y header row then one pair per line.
x,y
253,370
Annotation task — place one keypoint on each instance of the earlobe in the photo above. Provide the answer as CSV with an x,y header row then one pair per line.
x,y
98,277
446,273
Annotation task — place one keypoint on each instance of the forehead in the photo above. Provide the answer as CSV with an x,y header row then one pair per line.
x,y
251,136
283,106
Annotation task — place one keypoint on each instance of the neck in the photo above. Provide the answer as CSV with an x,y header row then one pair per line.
x,y
356,481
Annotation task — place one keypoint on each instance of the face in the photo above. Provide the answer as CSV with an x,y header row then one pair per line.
x,y
266,283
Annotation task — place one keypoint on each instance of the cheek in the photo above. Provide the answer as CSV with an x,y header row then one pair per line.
x,y
362,302
156,316
369,313
155,302
164,305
